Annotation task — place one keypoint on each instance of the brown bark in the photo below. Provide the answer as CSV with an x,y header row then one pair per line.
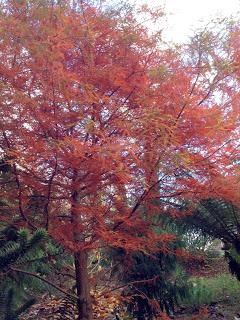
x,y
84,302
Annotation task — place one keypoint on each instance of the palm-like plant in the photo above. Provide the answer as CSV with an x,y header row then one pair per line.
x,y
219,219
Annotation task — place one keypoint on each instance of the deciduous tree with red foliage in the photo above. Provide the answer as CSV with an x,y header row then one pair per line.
x,y
97,121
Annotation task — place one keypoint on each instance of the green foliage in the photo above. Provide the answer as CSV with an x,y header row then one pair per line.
x,y
165,282
204,291
9,310
232,254
17,247
218,219
199,294
155,282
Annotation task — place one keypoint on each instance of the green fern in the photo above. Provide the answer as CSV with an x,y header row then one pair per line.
x,y
219,219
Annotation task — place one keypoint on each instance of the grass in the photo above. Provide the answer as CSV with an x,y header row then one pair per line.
x,y
205,291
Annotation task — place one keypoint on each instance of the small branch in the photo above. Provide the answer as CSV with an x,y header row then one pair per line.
x,y
131,284
49,194
35,275
19,197
140,201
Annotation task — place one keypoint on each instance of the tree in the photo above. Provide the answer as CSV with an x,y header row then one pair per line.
x,y
98,121
221,220
16,250
151,283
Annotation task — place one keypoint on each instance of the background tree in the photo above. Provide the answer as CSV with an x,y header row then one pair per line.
x,y
151,284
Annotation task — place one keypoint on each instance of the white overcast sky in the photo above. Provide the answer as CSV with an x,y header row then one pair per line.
x,y
185,15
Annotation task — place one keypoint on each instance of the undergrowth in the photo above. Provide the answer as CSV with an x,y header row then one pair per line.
x,y
205,291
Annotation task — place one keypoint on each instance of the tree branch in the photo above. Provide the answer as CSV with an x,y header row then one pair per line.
x,y
35,275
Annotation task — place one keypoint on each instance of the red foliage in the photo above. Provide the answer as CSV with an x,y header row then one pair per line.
x,y
99,123
203,314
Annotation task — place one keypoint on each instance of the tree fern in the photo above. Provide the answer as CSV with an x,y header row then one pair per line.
x,y
219,219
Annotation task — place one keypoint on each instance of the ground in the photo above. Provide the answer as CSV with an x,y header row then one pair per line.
x,y
220,291
215,295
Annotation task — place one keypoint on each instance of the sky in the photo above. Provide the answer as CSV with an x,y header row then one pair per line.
x,y
185,15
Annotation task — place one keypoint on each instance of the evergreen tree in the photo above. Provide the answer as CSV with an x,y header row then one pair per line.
x,y
154,282
158,283
17,249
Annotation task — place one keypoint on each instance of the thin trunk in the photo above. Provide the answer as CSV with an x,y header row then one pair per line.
x,y
84,302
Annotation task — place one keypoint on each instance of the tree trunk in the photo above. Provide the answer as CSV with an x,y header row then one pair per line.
x,y
84,302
